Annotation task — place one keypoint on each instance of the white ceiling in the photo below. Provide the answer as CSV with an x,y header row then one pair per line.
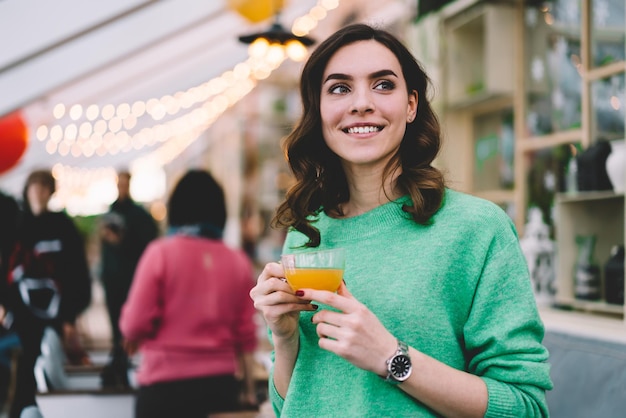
x,y
114,50
95,52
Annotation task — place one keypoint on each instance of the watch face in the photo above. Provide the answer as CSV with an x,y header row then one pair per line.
x,y
400,367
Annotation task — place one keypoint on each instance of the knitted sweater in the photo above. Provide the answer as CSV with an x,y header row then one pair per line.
x,y
457,290
189,306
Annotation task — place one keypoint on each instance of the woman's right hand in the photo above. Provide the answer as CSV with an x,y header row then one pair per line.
x,y
277,302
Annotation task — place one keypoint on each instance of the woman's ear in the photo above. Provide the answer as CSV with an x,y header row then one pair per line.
x,y
412,106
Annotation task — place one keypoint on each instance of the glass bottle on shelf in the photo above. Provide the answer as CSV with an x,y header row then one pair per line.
x,y
614,276
571,181
586,271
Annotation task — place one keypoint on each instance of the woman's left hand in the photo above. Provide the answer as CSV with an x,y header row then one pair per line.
x,y
355,333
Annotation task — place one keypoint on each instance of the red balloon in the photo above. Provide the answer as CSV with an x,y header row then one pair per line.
x,y
13,140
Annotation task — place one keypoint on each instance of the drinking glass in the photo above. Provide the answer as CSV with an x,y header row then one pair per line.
x,y
321,270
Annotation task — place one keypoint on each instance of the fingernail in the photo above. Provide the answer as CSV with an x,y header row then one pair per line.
x,y
299,293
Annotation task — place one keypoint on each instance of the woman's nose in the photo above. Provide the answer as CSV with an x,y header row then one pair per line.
x,y
362,102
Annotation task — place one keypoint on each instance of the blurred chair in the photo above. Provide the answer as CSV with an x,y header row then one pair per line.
x,y
50,366
31,412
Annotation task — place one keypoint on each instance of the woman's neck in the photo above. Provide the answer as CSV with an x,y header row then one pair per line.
x,y
367,191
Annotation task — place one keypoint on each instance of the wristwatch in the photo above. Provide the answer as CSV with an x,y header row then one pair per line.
x,y
399,365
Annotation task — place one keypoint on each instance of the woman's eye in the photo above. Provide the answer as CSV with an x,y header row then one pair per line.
x,y
385,85
339,89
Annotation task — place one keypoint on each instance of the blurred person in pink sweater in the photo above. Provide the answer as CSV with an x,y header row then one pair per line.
x,y
189,312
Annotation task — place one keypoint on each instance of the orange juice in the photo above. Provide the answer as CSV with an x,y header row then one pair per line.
x,y
314,278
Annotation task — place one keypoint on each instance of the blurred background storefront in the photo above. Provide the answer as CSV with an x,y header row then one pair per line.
x,y
531,95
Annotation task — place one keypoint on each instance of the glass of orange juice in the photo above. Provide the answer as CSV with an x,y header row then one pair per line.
x,y
321,270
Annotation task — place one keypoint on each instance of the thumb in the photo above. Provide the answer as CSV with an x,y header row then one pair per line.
x,y
343,290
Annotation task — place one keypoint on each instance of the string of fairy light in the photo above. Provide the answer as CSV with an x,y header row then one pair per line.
x,y
98,130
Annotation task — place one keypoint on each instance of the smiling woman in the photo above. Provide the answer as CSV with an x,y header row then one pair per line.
x,y
433,277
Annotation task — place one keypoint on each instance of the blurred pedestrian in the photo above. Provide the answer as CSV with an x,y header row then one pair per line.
x,y
48,280
125,231
9,218
189,313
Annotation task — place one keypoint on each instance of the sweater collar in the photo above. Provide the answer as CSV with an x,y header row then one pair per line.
x,y
204,230
373,222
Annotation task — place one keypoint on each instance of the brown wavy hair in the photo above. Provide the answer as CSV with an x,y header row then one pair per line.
x,y
320,180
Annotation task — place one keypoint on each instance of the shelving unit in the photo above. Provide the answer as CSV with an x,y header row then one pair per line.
x,y
600,214
494,46
479,37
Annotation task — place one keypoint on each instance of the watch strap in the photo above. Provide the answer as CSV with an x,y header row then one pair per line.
x,y
402,348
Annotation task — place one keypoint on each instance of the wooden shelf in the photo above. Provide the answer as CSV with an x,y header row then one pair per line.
x,y
481,102
588,196
584,324
551,140
600,214
591,306
608,70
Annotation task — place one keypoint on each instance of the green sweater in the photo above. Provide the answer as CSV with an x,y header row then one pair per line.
x,y
457,290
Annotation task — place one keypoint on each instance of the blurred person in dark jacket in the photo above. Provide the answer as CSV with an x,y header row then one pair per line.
x,y
48,281
125,232
9,216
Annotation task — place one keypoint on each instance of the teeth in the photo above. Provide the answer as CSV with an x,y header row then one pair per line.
x,y
363,129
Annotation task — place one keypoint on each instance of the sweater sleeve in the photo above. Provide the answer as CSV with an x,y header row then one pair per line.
x,y
276,400
503,333
142,310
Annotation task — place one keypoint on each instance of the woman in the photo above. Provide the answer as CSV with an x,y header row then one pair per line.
x,y
436,315
188,310
48,278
